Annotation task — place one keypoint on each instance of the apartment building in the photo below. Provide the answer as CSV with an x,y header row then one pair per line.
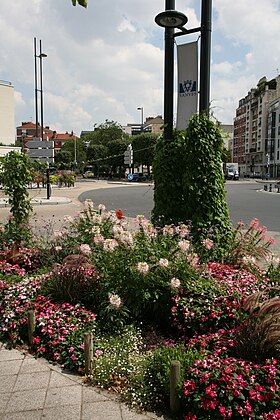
x,y
252,146
273,139
27,131
7,113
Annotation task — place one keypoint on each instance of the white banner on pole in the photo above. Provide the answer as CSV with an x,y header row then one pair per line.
x,y
187,61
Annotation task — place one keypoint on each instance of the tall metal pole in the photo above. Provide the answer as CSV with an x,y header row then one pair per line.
x,y
205,55
41,83
169,76
36,88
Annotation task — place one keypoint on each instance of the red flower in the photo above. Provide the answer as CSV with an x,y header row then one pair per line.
x,y
119,214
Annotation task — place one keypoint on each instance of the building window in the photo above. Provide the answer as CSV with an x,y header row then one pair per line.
x,y
277,154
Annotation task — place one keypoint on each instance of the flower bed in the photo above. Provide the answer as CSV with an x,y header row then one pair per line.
x,y
102,277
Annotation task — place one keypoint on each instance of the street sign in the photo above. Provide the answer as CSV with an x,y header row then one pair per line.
x,y
41,150
128,155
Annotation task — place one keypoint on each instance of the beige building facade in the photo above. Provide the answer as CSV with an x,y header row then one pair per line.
x,y
7,113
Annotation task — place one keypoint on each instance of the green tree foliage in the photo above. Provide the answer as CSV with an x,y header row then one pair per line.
x,y
14,176
105,133
189,182
144,148
105,146
168,171
68,151
80,2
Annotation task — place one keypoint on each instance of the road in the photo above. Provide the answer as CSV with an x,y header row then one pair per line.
x,y
246,200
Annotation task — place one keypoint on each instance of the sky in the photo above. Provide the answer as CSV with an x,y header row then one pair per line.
x,y
106,61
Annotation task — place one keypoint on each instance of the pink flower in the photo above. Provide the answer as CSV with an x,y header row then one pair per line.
x,y
98,353
71,349
254,223
73,357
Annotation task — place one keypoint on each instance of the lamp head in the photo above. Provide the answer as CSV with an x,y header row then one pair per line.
x,y
42,55
171,19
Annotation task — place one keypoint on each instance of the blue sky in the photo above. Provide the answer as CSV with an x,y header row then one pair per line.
x,y
107,60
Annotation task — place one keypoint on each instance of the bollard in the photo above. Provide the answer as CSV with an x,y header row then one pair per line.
x,y
270,187
278,188
175,368
265,187
88,352
31,326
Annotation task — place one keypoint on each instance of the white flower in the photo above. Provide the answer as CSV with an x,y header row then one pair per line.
x,y
208,244
175,283
85,249
115,301
89,204
58,248
101,208
184,245
109,245
249,260
68,218
126,238
143,267
163,262
57,234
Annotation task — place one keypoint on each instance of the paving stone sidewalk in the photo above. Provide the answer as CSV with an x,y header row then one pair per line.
x,y
34,389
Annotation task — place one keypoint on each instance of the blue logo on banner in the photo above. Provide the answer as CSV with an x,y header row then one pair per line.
x,y
187,88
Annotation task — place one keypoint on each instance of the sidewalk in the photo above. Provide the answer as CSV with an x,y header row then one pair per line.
x,y
33,389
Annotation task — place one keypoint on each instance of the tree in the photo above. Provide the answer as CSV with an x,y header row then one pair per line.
x,y
14,177
68,149
105,133
143,149
80,2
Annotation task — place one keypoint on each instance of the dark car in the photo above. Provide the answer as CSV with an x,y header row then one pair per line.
x,y
139,177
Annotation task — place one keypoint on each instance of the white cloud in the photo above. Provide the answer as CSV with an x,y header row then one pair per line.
x,y
107,60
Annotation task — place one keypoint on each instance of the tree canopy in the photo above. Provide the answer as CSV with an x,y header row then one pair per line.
x,y
80,2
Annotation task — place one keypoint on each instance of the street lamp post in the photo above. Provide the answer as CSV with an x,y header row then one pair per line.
x,y
141,108
171,19
41,56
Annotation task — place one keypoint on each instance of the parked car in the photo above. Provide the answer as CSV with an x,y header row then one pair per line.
x,y
88,174
139,177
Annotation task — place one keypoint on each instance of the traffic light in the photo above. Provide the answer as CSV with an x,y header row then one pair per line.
x,y
128,155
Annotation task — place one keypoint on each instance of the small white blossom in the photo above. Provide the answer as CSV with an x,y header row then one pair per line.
x,y
184,245
115,301
163,262
109,245
85,249
175,283
143,267
101,208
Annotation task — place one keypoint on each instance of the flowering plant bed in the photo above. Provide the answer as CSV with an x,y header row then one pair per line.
x,y
118,283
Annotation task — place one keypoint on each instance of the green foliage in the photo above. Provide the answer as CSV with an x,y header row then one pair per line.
x,y
156,392
203,182
80,2
189,182
14,177
168,170
144,148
